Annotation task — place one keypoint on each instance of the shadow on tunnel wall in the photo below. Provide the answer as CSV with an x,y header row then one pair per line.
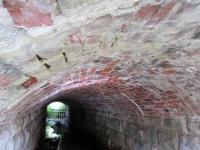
x,y
122,131
78,128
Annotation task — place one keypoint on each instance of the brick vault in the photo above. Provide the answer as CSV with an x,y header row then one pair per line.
x,y
131,67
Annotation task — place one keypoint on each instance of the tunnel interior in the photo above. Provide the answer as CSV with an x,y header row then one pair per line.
x,y
111,119
65,128
96,122
128,70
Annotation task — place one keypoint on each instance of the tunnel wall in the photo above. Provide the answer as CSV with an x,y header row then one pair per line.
x,y
130,132
23,133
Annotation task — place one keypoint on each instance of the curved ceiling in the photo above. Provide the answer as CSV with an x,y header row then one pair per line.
x,y
137,56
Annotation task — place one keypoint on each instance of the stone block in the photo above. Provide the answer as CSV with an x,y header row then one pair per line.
x,y
193,127
189,142
172,123
167,140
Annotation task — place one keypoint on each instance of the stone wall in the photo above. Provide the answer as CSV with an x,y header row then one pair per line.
x,y
129,56
22,134
130,132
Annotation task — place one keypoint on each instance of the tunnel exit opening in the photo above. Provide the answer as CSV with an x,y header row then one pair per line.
x,y
56,119
66,127
56,124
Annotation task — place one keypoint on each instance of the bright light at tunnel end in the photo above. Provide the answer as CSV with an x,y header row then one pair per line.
x,y
56,105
